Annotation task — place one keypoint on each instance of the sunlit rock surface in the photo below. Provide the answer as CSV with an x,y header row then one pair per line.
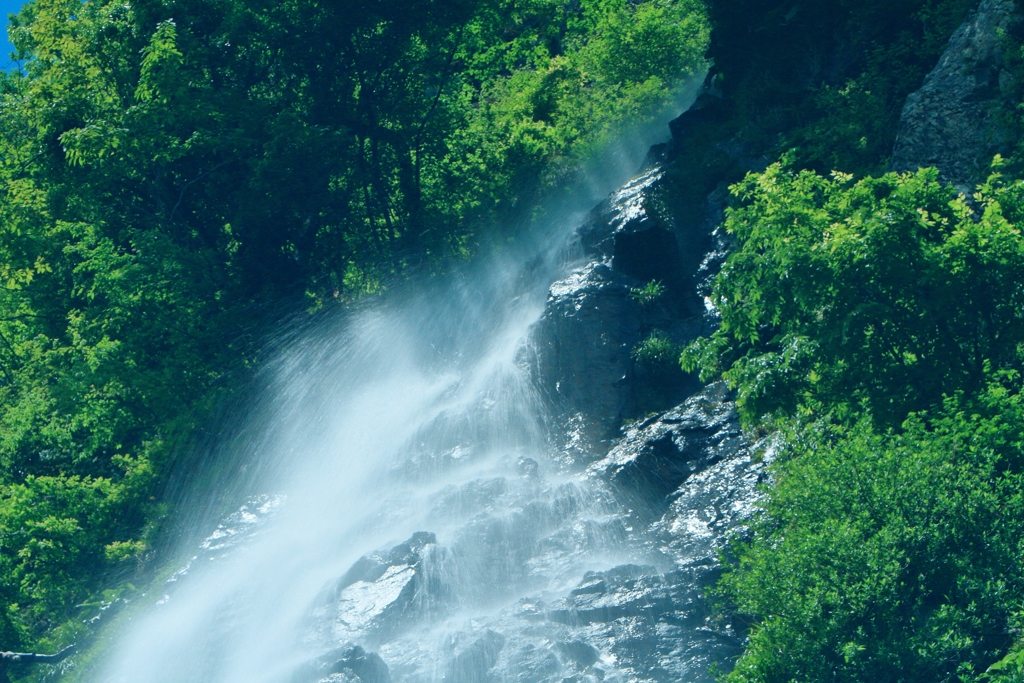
x,y
384,591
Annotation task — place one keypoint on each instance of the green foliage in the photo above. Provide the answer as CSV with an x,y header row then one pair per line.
x,y
1009,669
556,92
887,556
649,293
889,546
386,134
884,294
657,351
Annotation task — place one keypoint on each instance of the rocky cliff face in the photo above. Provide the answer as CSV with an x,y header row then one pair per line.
x,y
582,352
693,478
952,121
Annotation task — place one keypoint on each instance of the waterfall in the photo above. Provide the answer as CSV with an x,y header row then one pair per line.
x,y
409,518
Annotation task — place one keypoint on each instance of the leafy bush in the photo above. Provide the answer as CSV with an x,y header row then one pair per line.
x,y
884,556
879,325
885,294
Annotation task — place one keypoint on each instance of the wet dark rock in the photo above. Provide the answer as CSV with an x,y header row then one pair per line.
x,y
624,233
384,591
658,454
709,108
644,625
232,532
367,667
473,663
657,625
460,501
626,591
581,356
713,504
720,245
648,621
581,352
951,122
346,664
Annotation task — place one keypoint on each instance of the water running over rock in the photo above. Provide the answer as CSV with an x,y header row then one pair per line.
x,y
448,499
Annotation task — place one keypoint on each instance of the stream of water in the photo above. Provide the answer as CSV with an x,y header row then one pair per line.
x,y
407,435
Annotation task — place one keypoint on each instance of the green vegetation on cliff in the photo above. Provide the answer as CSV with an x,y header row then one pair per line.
x,y
823,81
888,556
176,173
879,325
876,322
879,296
827,79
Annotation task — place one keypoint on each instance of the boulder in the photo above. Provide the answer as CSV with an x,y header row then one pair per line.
x,y
472,664
659,453
339,678
383,591
951,122
580,653
646,625
346,664
580,351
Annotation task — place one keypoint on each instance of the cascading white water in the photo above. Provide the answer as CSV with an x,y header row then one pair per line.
x,y
411,417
